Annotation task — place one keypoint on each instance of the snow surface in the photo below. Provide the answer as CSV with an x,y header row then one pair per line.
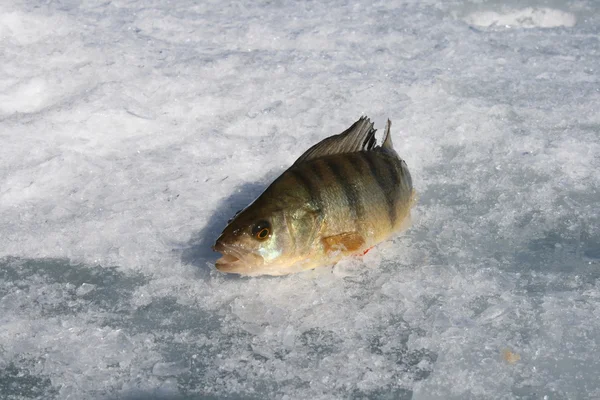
x,y
132,130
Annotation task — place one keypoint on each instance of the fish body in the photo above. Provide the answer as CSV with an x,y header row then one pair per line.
x,y
341,197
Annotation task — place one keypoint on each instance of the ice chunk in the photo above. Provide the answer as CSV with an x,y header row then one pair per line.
x,y
85,288
257,312
528,17
493,313
170,368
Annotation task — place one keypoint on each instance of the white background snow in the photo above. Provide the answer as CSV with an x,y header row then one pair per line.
x,y
131,130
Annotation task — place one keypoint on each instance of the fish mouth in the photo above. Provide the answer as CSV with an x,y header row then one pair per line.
x,y
235,260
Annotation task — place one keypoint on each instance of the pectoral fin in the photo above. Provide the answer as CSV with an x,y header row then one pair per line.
x,y
346,242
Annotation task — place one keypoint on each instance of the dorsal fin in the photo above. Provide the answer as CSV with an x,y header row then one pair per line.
x,y
387,138
360,136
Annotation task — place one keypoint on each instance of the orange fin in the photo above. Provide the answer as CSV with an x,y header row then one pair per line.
x,y
350,241
367,250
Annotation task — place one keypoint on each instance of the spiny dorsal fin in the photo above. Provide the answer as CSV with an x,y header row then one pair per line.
x,y
360,136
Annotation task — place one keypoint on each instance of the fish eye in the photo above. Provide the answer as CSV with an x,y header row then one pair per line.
x,y
261,230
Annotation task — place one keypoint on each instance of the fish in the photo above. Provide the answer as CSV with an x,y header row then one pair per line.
x,y
341,197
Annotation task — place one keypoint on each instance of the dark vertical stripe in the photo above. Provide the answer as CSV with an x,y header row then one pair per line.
x,y
385,181
313,166
341,174
309,186
359,164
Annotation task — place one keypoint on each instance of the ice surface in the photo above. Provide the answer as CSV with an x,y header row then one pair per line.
x,y
523,18
132,130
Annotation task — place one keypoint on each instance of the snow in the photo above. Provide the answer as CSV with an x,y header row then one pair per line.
x,y
527,17
132,130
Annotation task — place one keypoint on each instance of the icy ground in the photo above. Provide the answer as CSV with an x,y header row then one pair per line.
x,y
130,131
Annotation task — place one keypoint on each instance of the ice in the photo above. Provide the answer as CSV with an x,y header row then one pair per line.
x,y
131,131
527,17
85,288
169,369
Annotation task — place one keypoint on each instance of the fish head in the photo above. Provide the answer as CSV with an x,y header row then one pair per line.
x,y
253,241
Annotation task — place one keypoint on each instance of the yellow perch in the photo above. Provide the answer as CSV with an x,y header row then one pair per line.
x,y
341,197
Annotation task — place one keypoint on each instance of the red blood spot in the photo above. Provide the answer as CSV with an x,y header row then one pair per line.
x,y
367,250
